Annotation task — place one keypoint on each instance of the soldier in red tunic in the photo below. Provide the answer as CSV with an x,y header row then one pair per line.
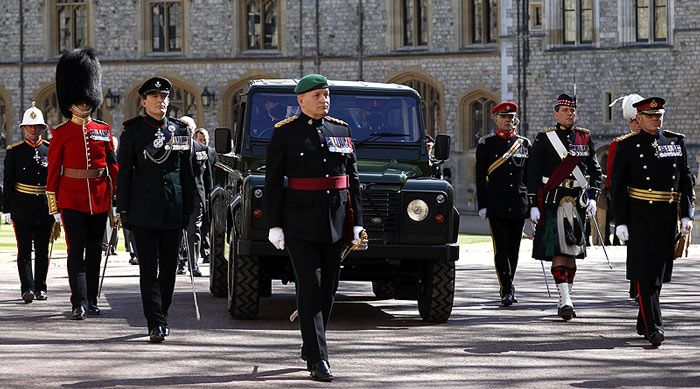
x,y
82,166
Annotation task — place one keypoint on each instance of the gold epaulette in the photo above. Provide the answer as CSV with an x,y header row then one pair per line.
x,y
548,129
584,130
15,144
285,121
678,134
336,121
100,122
623,137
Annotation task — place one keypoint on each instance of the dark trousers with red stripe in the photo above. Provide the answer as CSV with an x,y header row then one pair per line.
x,y
506,235
26,235
317,270
84,233
649,317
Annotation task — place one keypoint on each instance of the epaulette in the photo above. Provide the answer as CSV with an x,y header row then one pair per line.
x,y
131,121
15,144
482,140
285,121
623,137
548,129
336,121
100,122
584,130
678,134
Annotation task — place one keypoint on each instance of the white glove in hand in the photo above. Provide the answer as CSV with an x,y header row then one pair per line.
x,y
534,214
482,213
686,226
276,237
8,218
590,208
57,217
356,233
622,233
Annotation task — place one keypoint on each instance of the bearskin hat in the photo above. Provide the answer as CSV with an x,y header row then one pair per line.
x,y
78,80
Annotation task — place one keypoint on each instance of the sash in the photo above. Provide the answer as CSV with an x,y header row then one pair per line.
x,y
503,158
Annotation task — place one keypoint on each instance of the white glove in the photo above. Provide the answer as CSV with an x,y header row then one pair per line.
x,y
534,214
57,218
356,233
590,207
276,237
622,233
482,213
8,218
686,226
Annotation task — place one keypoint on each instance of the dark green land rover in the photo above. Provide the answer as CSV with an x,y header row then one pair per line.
x,y
408,213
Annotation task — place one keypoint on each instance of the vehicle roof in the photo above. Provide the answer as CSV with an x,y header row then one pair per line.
x,y
333,85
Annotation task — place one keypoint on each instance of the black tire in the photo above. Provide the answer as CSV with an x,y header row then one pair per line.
x,y
436,291
243,289
384,289
218,264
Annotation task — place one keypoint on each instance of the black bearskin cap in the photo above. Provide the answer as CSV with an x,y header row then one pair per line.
x,y
78,80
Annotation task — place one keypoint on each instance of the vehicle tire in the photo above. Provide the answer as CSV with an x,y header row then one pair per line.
x,y
436,291
218,264
243,289
384,289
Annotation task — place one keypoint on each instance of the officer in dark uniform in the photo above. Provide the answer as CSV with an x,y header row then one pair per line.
x,y
501,166
652,187
201,135
319,211
563,182
25,179
156,195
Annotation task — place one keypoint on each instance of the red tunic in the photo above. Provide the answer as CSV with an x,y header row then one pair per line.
x,y
609,167
78,149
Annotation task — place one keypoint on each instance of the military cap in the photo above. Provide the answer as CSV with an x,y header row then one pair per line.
x,y
505,108
565,100
650,106
155,85
311,82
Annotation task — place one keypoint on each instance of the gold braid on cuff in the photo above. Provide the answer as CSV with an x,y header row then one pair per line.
x,y
53,205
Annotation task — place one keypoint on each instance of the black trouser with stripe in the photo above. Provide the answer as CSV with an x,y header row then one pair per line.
x,y
506,235
157,265
84,233
649,317
317,269
26,234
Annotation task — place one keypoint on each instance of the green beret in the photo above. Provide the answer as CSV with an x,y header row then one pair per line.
x,y
310,82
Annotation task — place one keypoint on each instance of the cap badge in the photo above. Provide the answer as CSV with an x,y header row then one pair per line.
x,y
32,115
157,84
654,104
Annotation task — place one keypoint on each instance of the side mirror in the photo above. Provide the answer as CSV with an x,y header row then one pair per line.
x,y
222,140
441,149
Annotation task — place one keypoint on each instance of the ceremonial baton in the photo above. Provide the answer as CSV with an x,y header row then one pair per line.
x,y
600,238
189,262
544,273
355,245
108,251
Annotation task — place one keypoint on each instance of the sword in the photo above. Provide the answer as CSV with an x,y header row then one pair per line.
x,y
189,262
108,251
600,238
544,273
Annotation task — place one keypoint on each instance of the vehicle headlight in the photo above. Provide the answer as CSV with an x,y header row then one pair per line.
x,y
417,210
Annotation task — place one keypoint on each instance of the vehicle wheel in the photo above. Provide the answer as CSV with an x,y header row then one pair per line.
x,y
384,289
243,290
218,264
436,291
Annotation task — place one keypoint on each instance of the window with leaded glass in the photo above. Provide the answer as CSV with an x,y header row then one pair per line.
x,y
577,18
651,18
414,15
165,21
477,114
262,24
71,25
480,19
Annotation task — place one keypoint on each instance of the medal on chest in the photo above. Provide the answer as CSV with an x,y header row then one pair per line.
x,y
666,151
339,144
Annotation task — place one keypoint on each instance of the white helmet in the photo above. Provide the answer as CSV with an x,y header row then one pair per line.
x,y
33,117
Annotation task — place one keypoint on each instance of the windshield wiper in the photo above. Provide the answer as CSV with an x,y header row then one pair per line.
x,y
379,135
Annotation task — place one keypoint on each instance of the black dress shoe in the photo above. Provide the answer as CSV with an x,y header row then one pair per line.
x,y
93,310
180,270
196,273
567,312
134,261
507,300
78,313
205,259
157,334
320,371
42,295
656,338
28,296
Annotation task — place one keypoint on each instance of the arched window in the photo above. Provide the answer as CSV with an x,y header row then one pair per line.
x,y
48,104
475,120
431,102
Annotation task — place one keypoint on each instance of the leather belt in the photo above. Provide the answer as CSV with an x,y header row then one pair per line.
x,y
318,183
84,173
30,189
654,195
567,183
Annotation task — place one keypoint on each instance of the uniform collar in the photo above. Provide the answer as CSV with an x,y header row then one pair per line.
x,y
653,136
80,121
38,143
155,123
311,121
506,135
562,128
